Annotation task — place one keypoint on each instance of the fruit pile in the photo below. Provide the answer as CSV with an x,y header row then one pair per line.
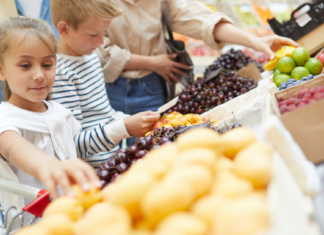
x,y
293,82
321,57
200,96
204,183
231,60
163,131
293,63
174,119
111,169
284,51
303,98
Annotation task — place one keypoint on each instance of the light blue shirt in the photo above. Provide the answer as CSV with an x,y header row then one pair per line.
x,y
45,13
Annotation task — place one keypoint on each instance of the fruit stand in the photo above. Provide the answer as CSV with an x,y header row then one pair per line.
x,y
222,160
233,154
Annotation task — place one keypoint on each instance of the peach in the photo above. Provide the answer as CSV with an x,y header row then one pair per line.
x,y
166,121
189,117
168,125
184,121
156,125
176,122
197,117
169,116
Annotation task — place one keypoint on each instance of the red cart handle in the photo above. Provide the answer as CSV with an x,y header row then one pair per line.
x,y
38,206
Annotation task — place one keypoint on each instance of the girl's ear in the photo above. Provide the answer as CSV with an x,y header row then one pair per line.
x,y
2,76
63,28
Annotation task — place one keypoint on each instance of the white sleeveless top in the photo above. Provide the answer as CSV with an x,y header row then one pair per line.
x,y
51,131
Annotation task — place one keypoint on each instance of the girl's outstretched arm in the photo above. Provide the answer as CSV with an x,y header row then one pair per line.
x,y
52,172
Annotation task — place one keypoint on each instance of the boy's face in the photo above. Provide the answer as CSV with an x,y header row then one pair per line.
x,y
86,38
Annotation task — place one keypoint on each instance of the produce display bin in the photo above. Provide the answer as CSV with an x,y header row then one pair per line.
x,y
305,26
306,123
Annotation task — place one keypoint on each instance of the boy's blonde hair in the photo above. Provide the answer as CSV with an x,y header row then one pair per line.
x,y
23,28
76,12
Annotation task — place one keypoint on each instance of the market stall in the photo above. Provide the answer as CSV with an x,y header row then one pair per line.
x,y
234,153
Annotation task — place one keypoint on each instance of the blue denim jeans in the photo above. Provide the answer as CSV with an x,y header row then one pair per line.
x,y
132,96
1,91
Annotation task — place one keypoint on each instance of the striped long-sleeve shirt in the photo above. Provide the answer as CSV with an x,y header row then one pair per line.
x,y
79,86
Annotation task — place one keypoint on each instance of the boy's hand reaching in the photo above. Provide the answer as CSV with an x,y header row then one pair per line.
x,y
140,123
65,174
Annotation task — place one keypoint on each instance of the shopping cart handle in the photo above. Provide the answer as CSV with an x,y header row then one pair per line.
x,y
38,206
19,189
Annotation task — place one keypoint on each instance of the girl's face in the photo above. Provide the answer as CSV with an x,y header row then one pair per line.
x,y
29,70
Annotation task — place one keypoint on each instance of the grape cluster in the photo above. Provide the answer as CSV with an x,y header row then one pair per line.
x,y
111,169
199,97
231,60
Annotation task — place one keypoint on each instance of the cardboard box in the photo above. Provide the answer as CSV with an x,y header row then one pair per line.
x,y
306,124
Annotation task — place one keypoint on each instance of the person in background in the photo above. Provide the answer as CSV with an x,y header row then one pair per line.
x,y
134,56
37,9
79,85
1,91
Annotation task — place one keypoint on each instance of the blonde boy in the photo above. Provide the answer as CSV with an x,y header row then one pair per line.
x,y
79,83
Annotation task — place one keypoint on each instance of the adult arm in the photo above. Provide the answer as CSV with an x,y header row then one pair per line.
x,y
196,20
229,33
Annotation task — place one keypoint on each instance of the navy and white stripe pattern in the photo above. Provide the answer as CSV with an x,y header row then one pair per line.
x,y
79,86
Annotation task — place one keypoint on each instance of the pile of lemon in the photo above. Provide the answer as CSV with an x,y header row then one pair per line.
x,y
291,62
204,183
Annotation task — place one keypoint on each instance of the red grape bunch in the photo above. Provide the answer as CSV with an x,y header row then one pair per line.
x,y
231,60
110,170
199,97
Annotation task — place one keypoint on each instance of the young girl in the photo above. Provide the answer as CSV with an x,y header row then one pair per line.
x,y
36,135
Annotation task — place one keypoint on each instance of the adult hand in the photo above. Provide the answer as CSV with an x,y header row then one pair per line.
x,y
167,68
66,173
140,123
272,43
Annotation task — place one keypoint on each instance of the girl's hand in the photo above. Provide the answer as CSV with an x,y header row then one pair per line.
x,y
272,43
65,174
140,123
167,68
49,170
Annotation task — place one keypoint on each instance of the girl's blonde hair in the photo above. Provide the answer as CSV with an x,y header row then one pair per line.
x,y
23,28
